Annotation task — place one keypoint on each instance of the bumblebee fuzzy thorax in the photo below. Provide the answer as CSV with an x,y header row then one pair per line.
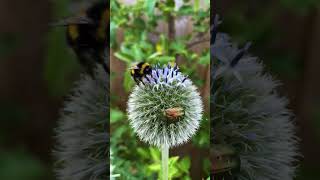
x,y
89,38
145,69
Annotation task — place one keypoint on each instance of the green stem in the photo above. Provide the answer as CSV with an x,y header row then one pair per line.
x,y
165,159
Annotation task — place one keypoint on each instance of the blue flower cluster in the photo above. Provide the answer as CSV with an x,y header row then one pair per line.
x,y
166,75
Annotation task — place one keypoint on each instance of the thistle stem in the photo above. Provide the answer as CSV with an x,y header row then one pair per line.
x,y
164,160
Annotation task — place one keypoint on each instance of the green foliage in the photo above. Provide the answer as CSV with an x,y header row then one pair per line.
x,y
286,65
257,23
300,6
202,139
19,165
306,172
142,42
179,168
59,61
9,42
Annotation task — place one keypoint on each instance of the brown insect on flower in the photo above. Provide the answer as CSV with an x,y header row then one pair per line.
x,y
174,113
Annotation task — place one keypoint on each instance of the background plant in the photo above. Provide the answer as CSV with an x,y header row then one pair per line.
x,y
143,39
249,114
282,33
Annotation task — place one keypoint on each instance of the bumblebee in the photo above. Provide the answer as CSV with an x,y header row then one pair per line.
x,y
139,71
88,35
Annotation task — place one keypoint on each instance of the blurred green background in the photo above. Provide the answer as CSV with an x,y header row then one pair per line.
x,y
37,71
285,35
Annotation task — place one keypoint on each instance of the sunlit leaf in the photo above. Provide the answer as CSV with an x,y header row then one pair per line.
x,y
116,115
150,5
123,57
155,167
155,154
128,82
185,164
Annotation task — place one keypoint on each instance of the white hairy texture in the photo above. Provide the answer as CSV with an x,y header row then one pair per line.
x,y
251,116
82,138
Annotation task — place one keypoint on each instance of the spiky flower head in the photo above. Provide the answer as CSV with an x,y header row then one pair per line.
x,y
82,138
249,115
112,168
165,108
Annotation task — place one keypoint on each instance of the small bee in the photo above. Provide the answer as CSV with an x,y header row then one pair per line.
x,y
139,71
88,35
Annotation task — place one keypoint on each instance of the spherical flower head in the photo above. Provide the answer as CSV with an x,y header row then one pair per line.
x,y
165,108
250,118
82,139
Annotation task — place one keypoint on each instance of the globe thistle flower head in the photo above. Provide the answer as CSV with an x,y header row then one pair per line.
x,y
249,115
165,108
82,138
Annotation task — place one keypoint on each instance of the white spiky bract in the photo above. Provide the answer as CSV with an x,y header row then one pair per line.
x,y
166,87
250,116
82,138
112,168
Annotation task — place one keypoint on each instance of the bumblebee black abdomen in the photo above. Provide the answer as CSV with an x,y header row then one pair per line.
x,y
100,12
140,71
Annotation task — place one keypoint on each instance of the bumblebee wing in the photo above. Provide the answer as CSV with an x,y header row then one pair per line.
x,y
133,67
72,20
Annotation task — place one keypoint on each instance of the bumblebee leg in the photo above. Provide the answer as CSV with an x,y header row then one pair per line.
x,y
106,69
140,79
135,79
101,59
